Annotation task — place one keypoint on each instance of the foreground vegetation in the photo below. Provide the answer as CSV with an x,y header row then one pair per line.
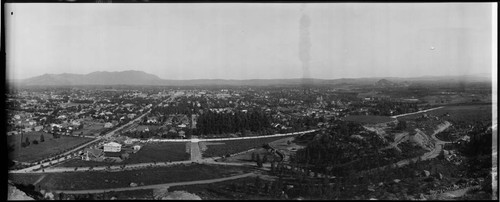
x,y
149,176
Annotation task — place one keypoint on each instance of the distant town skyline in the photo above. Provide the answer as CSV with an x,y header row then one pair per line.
x,y
250,41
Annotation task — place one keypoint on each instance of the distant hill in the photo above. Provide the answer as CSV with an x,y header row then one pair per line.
x,y
96,78
133,77
386,83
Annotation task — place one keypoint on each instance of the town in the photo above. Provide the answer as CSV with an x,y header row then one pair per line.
x,y
120,130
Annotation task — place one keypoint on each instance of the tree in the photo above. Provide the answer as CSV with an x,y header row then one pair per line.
x,y
27,141
257,182
264,159
42,139
259,161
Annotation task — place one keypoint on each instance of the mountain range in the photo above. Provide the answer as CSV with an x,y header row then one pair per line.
x,y
133,77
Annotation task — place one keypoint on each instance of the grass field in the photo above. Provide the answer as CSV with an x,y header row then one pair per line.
x,y
238,189
159,152
90,128
368,119
149,176
247,156
42,150
235,146
460,114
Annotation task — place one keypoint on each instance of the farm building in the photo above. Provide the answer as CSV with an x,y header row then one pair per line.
x,y
112,147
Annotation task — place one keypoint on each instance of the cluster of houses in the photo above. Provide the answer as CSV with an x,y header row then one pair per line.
x,y
70,116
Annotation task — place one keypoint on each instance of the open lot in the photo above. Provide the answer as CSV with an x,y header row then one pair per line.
x,y
149,176
42,150
160,152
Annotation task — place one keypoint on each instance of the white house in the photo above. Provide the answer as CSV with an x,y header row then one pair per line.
x,y
112,147
75,123
137,147
108,125
128,141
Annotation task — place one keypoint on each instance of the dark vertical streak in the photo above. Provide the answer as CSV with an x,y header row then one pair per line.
x,y
304,43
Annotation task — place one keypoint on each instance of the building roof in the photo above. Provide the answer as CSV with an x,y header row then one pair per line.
x,y
115,144
94,152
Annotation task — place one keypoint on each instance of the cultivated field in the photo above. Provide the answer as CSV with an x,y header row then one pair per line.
x,y
150,176
35,152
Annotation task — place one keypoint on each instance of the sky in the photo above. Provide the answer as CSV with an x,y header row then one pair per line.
x,y
250,40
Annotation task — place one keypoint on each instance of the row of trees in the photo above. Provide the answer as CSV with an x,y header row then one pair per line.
x,y
27,141
216,123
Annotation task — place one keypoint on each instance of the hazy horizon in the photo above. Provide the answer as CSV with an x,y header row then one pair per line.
x,y
241,41
423,76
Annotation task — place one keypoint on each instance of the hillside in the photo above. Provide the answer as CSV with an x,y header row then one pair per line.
x,y
96,78
133,77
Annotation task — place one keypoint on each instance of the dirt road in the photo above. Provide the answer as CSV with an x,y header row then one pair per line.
x,y
93,191
427,110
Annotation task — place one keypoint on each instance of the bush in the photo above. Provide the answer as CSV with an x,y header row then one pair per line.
x,y
35,142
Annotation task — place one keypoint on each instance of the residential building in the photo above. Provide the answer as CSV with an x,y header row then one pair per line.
x,y
112,147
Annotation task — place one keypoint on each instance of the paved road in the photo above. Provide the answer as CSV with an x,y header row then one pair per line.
x,y
427,110
195,151
93,191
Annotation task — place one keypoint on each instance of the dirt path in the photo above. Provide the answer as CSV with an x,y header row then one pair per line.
x,y
427,110
93,191
39,179
455,193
